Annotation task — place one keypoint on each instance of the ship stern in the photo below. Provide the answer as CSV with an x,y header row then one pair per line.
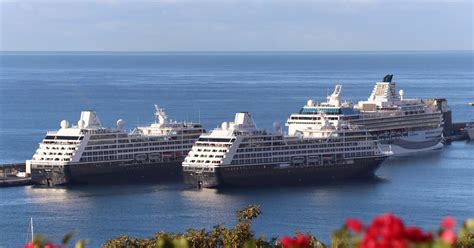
x,y
200,177
49,175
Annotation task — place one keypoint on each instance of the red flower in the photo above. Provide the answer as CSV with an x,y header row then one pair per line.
x,y
287,242
448,222
449,236
50,245
30,245
416,235
301,241
354,225
47,245
386,231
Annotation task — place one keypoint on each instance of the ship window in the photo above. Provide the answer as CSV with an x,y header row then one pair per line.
x,y
53,137
214,140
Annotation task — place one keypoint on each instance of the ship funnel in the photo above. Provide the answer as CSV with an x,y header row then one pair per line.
x,y
89,119
384,91
245,121
388,78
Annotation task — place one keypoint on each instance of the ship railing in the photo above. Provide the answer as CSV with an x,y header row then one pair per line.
x,y
355,126
382,114
251,133
49,163
100,130
198,169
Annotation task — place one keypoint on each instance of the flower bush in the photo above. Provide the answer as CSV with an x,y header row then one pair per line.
x,y
389,231
40,242
385,231
300,241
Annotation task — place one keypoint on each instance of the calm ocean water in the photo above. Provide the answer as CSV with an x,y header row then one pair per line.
x,y
38,90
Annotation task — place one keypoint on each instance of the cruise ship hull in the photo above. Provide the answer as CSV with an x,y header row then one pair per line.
x,y
401,147
107,172
278,174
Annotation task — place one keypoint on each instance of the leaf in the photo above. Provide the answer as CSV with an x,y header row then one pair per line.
x,y
67,237
180,243
250,244
80,244
248,213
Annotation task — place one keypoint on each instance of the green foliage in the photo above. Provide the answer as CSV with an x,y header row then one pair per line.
x,y
125,241
466,241
249,213
341,238
240,235
466,235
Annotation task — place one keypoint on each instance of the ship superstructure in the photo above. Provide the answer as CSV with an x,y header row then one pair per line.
x,y
91,153
403,125
239,153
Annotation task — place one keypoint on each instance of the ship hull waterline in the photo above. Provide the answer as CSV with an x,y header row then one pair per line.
x,y
399,150
108,173
276,175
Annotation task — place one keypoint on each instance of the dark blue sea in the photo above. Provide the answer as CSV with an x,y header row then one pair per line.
x,y
38,90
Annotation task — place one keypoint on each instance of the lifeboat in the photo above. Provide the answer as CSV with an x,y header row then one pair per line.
x,y
298,160
154,156
314,159
141,157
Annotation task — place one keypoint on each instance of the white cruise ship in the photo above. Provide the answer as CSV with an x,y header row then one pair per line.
x,y
470,130
240,154
402,125
91,153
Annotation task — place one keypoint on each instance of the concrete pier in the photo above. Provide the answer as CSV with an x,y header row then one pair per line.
x,y
15,181
8,176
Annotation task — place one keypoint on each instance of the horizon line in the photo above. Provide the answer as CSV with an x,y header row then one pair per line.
x,y
226,51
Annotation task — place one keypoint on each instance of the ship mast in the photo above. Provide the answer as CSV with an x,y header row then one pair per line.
x,y
32,231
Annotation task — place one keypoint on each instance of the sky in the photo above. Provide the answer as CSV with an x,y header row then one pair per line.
x,y
236,25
